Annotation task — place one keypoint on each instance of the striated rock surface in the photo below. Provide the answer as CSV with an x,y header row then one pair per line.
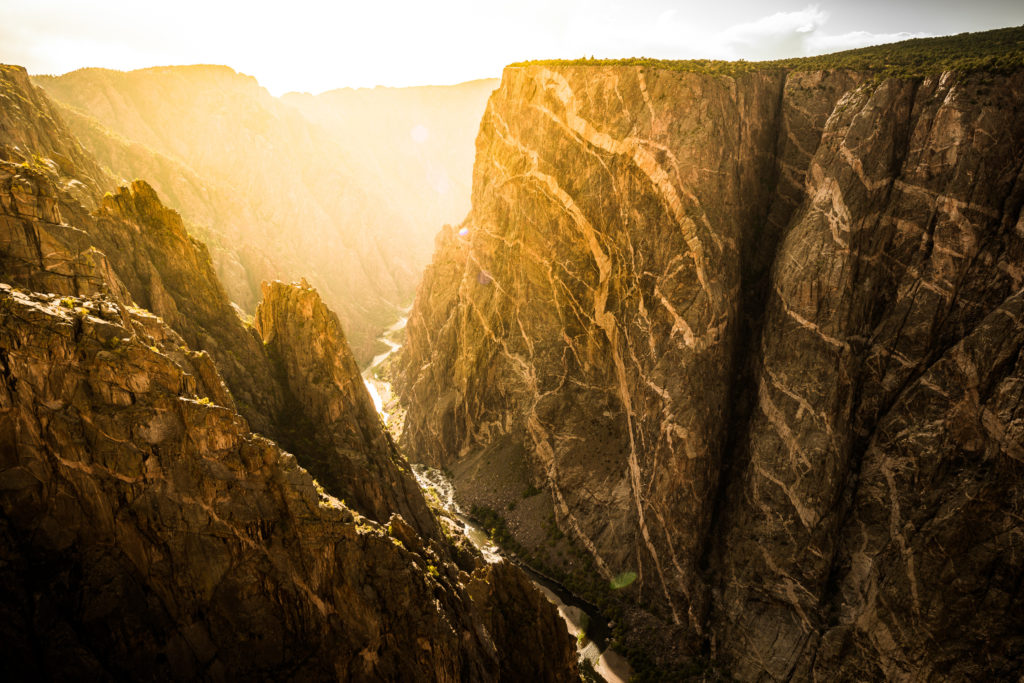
x,y
757,337
330,423
886,439
147,534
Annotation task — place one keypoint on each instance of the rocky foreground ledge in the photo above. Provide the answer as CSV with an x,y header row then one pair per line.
x,y
147,533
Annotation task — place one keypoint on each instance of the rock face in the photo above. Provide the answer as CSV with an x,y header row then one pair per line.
x,y
33,133
148,534
146,531
331,424
137,251
758,338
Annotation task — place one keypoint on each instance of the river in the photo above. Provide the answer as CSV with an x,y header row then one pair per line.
x,y
579,615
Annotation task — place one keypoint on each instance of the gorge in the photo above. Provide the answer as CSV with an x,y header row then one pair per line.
x,y
729,355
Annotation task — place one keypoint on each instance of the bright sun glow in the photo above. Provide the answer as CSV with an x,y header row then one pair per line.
x,y
316,46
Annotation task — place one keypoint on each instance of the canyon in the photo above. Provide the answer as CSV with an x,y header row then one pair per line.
x,y
726,357
334,188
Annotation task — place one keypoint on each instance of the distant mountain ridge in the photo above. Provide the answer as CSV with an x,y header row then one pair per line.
x,y
272,189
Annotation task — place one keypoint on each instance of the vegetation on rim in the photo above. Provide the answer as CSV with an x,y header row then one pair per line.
x,y
998,51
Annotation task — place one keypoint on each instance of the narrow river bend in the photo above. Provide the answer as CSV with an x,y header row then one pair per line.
x,y
579,615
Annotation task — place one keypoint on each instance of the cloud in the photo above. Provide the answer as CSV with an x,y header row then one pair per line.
x,y
796,34
783,34
623,30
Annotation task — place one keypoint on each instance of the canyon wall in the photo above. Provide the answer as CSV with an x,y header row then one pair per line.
x,y
757,338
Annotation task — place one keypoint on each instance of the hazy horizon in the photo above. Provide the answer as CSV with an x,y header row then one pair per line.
x,y
309,48
281,94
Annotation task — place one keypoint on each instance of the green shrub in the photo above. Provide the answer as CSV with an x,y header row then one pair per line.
x,y
494,524
530,491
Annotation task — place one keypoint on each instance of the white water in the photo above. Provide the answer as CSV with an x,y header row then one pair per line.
x,y
380,391
434,480
608,664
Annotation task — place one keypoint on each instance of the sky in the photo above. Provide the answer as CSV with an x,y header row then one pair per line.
x,y
298,45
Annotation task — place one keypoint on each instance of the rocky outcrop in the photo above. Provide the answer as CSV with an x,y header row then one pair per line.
x,y
61,234
330,423
38,249
170,273
137,251
756,335
211,213
33,133
146,533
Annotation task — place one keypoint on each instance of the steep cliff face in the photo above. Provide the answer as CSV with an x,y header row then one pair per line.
x,y
886,439
756,335
146,533
32,132
330,423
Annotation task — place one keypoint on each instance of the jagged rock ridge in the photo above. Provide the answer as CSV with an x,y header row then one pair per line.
x,y
758,337
331,423
148,534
